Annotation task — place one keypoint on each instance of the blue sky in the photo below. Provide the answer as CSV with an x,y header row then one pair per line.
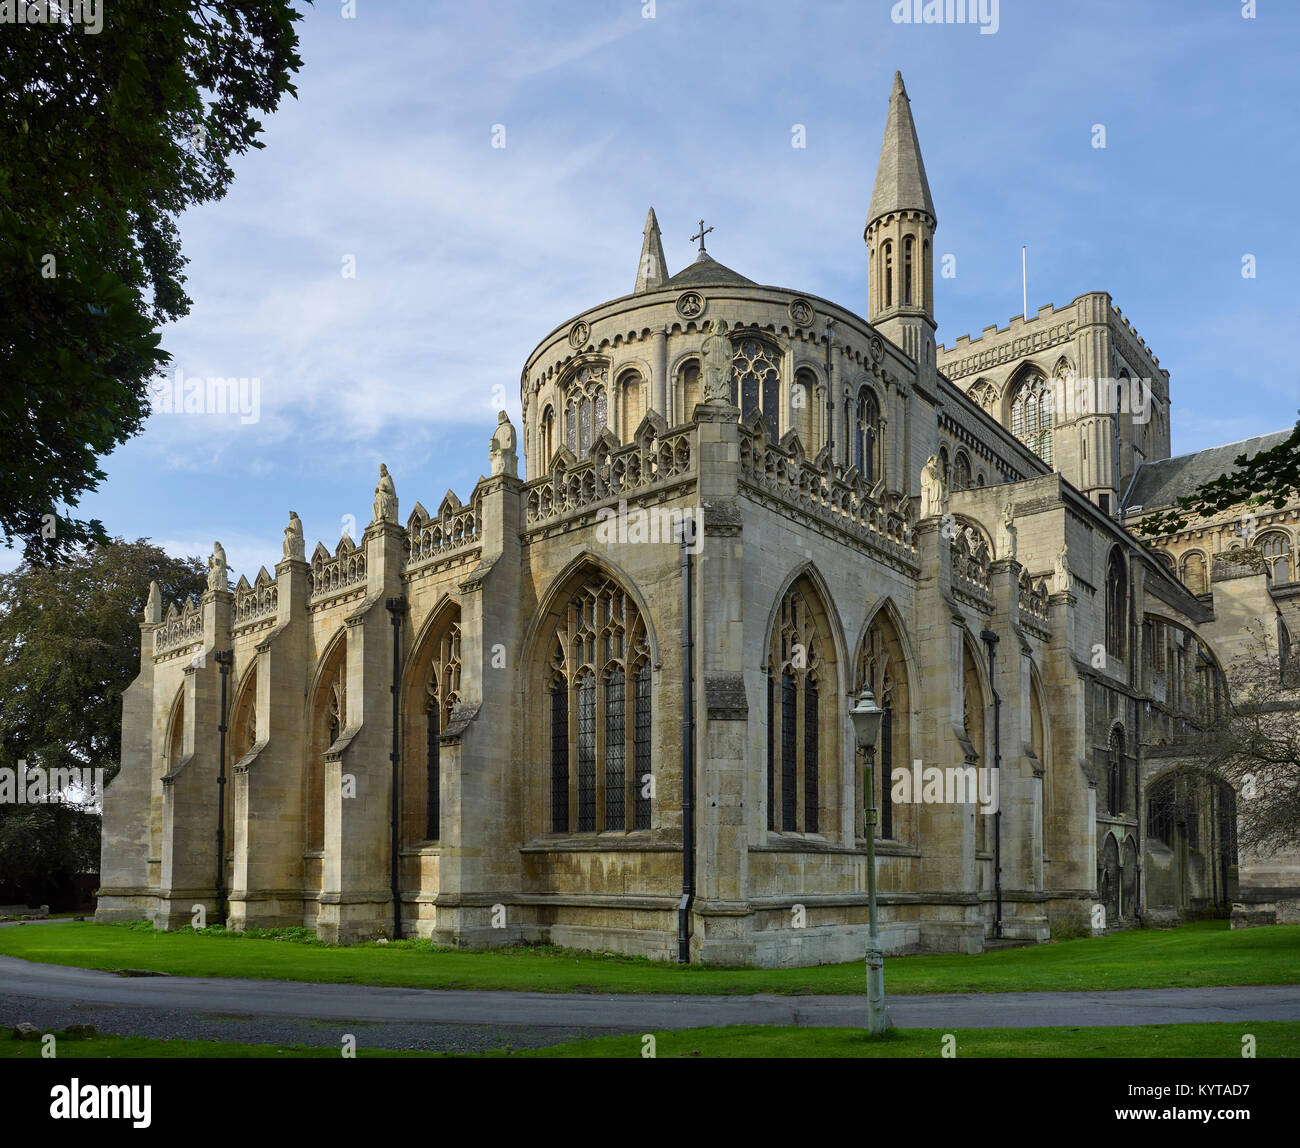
x,y
466,254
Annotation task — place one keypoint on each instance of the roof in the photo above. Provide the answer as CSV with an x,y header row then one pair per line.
x,y
706,269
900,176
1163,483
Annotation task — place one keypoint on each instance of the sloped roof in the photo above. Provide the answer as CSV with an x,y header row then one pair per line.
x,y
1162,483
706,269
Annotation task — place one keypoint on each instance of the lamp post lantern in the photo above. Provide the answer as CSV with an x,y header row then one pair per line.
x,y
867,716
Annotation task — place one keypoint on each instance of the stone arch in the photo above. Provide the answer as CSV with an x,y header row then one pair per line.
x,y
1193,570
884,662
552,603
326,722
1108,877
431,689
803,711
1128,867
631,384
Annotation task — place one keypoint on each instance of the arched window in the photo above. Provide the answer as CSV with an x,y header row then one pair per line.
x,y
866,435
1194,572
800,706
1116,606
805,410
688,389
961,471
980,480
756,369
631,404
1166,560
586,408
907,270
984,393
1032,415
1115,795
881,667
547,438
945,467
1276,548
329,719
600,714
887,272
435,691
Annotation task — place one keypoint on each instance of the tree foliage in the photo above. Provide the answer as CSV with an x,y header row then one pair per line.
x,y
69,647
1270,477
1254,744
104,139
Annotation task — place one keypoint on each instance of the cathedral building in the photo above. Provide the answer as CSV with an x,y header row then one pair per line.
x,y
604,700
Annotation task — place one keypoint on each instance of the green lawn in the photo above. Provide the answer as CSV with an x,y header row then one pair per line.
x,y
1274,1039
1203,953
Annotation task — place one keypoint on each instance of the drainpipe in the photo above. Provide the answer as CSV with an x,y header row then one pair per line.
x,y
225,659
396,608
990,639
688,756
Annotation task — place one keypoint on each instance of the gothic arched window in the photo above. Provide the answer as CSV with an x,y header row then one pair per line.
x,y
805,410
586,408
1276,548
329,719
907,270
880,667
961,471
756,369
866,435
1115,788
984,393
1116,606
1032,415
439,692
944,467
887,272
799,687
1194,572
631,404
546,446
600,714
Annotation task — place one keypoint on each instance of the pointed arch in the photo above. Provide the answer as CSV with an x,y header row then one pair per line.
x,y
590,662
431,689
883,662
803,665
327,719
1032,410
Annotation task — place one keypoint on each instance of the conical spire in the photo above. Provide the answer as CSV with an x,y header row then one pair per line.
x,y
900,176
652,271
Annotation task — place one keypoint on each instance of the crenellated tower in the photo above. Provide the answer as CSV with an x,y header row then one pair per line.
x,y
900,240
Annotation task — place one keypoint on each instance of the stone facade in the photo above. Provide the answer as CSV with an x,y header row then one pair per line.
x,y
689,586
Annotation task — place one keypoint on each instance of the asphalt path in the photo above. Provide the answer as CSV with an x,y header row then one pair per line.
x,y
51,996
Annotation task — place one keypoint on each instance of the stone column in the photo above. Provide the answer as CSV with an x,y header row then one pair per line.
x,y
659,365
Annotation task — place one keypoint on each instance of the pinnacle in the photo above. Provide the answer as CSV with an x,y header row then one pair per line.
x,y
652,270
901,184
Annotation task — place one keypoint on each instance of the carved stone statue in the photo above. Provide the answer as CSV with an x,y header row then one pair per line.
x,y
502,448
717,364
294,547
1007,534
217,568
153,606
385,497
934,491
1061,580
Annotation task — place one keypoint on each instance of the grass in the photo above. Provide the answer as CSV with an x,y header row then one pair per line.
x,y
1199,954
1275,1039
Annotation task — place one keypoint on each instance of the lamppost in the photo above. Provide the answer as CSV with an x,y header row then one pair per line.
x,y
866,717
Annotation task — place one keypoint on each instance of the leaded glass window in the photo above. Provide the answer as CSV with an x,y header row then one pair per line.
x,y
600,672
1032,416
756,371
441,694
880,668
586,407
866,435
794,727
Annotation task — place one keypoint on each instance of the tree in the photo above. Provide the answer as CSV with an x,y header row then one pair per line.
x,y
69,647
1268,477
104,139
1254,744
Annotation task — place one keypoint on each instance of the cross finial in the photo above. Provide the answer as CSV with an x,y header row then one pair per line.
x,y
701,234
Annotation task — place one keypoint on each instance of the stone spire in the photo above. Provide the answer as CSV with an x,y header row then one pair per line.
x,y
652,271
900,176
